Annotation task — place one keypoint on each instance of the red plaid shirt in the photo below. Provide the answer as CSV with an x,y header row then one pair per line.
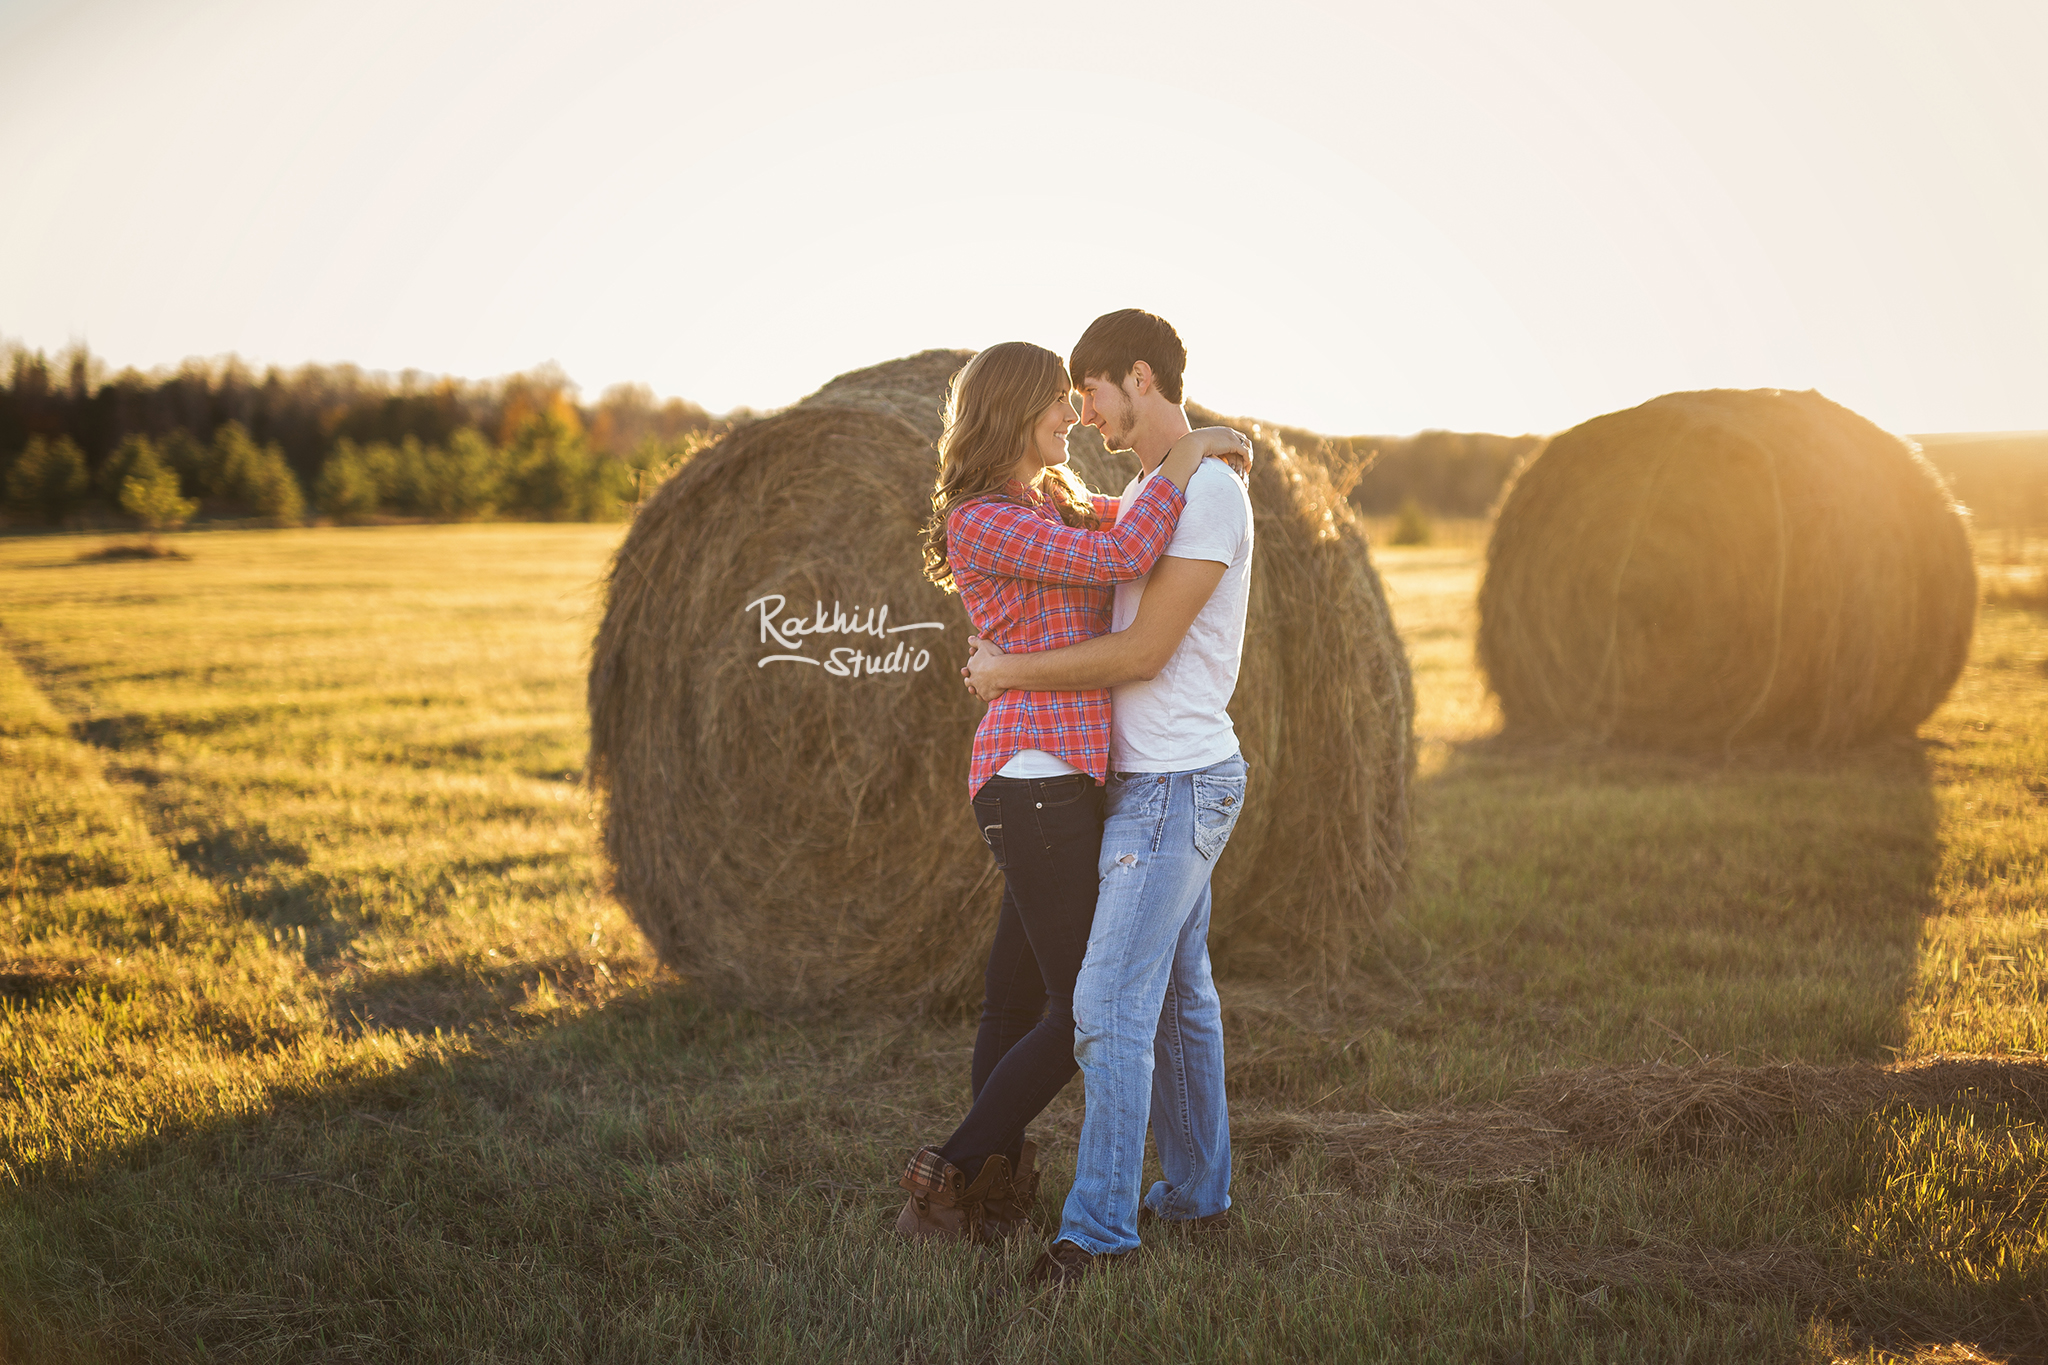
x,y
1031,582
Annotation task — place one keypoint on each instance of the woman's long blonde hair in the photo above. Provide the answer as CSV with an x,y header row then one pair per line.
x,y
991,407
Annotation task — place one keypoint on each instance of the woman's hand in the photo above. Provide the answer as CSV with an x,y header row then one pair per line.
x,y
984,663
1224,443
1227,444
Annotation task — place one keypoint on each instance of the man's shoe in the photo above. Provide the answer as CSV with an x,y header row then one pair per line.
x,y
1064,1263
1208,1224
942,1204
1008,1211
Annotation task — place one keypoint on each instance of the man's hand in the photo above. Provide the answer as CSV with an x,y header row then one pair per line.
x,y
984,661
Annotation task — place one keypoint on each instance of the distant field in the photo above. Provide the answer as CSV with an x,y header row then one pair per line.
x,y
319,1040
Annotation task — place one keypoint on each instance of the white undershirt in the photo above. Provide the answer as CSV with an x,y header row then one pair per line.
x,y
1036,763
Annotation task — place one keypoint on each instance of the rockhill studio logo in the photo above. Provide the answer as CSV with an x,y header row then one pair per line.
x,y
844,661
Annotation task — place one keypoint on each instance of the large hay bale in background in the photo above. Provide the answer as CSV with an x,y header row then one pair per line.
x,y
1726,567
785,835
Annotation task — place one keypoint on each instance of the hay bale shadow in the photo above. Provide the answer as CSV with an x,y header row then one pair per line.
x,y
131,550
464,997
1793,881
35,983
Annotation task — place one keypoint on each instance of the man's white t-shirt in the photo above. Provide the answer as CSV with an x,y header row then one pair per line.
x,y
1177,721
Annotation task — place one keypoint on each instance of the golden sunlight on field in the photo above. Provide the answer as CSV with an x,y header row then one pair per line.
x,y
1434,591
316,1023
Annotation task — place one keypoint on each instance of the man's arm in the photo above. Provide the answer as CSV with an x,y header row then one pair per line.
x,y
1174,596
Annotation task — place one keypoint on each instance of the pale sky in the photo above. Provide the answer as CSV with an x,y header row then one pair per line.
x,y
1373,216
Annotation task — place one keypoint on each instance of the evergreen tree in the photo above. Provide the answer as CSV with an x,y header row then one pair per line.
x,y
113,476
256,478
275,493
48,480
468,476
231,472
192,460
347,486
406,484
553,474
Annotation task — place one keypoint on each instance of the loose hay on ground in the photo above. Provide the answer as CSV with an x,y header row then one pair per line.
x,y
785,836
1656,1113
1651,1110
1726,567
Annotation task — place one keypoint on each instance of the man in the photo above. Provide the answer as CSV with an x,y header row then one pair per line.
x,y
1148,1028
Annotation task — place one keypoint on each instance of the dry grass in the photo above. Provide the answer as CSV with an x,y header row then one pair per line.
x,y
1446,533
2020,587
321,1042
1722,568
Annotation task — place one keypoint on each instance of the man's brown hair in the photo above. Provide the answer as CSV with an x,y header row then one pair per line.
x,y
1117,341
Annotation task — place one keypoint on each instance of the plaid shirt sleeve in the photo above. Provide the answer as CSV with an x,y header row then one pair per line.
x,y
1009,541
1107,506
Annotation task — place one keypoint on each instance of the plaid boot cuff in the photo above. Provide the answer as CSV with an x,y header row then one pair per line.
x,y
927,1173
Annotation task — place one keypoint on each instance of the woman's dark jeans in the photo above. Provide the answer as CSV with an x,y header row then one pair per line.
x,y
1046,834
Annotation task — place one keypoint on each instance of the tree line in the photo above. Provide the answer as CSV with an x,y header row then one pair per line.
x,y
348,444
1445,473
216,439
332,440
2002,480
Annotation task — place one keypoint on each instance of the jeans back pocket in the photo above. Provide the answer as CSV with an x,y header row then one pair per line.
x,y
1219,799
1054,792
988,818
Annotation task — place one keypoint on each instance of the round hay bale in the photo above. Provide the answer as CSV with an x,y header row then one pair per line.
x,y
786,833
1721,568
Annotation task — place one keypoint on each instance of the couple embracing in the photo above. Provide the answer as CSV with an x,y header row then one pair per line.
x,y
1105,780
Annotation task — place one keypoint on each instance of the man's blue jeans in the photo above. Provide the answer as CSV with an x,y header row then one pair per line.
x,y
1148,1028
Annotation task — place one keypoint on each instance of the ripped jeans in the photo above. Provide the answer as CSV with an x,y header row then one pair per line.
x,y
1148,1027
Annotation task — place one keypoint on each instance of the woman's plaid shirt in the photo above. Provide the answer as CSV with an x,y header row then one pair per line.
x,y
1031,582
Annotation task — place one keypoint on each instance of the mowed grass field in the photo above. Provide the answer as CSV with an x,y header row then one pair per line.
x,y
319,1039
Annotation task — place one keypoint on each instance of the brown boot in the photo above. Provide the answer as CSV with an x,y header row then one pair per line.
x,y
1064,1263
1008,1211
942,1204
1209,1224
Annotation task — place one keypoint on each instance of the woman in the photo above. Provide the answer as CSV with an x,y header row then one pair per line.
x,y
1033,555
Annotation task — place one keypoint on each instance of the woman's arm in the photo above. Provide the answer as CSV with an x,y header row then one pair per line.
x,y
1185,455
1215,443
1008,541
